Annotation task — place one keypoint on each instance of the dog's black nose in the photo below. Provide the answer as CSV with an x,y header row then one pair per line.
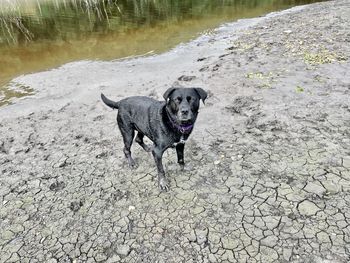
x,y
184,112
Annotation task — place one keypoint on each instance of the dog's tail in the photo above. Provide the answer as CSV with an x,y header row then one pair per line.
x,y
110,103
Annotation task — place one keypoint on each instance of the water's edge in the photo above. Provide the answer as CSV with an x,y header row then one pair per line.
x,y
82,81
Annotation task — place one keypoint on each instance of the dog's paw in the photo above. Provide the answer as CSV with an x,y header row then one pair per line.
x,y
133,166
131,163
163,184
182,167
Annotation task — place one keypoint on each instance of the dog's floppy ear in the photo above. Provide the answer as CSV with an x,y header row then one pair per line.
x,y
168,92
202,93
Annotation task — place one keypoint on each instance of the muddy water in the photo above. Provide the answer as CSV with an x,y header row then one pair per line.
x,y
41,34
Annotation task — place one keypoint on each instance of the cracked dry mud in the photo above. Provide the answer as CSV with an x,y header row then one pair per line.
x,y
267,177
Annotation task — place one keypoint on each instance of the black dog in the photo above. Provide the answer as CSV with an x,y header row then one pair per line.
x,y
167,124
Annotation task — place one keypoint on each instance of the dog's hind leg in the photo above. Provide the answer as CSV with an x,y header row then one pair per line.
x,y
128,134
139,140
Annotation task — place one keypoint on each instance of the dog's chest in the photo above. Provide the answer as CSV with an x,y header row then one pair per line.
x,y
181,141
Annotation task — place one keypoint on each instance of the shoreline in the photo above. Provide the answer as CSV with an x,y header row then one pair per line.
x,y
46,85
267,175
158,39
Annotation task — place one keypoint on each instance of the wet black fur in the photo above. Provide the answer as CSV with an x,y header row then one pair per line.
x,y
159,121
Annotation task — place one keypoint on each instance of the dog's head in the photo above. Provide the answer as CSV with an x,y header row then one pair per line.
x,y
183,104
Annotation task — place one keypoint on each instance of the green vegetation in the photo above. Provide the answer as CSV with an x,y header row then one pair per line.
x,y
265,80
322,57
313,54
259,75
21,21
299,89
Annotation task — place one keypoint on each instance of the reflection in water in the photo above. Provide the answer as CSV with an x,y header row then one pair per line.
x,y
37,35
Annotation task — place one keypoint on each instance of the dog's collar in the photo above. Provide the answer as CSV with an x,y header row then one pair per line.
x,y
184,129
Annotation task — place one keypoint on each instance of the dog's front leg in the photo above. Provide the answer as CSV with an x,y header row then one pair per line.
x,y
162,181
180,154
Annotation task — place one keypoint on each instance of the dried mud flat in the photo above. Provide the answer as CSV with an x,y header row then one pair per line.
x,y
268,167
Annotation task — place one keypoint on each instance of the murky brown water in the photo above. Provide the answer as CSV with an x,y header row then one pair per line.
x,y
40,34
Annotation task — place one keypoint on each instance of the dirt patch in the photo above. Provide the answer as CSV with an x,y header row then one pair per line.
x,y
267,175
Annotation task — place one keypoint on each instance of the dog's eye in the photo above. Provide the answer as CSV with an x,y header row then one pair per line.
x,y
178,99
189,98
